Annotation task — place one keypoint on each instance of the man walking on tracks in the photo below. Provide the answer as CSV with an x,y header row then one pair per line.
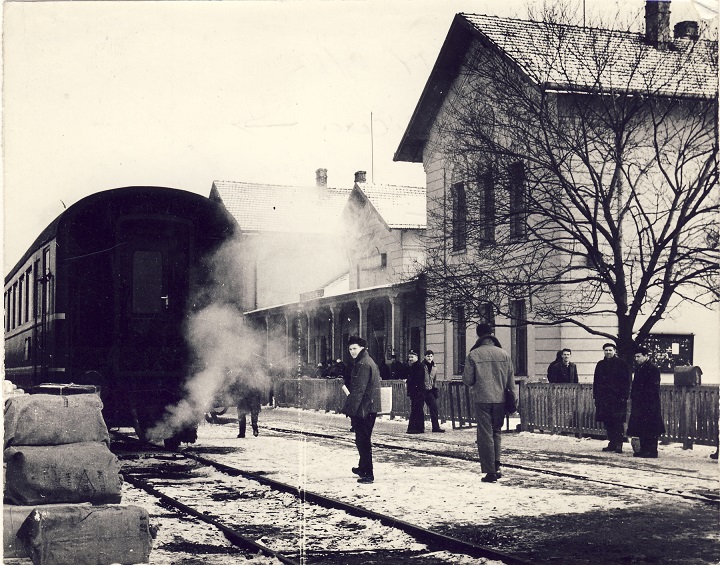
x,y
611,388
490,376
645,415
363,404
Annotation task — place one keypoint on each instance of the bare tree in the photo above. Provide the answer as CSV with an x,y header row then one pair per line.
x,y
585,178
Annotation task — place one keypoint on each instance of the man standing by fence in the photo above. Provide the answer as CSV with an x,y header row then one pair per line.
x,y
490,376
431,391
611,388
645,415
563,371
415,386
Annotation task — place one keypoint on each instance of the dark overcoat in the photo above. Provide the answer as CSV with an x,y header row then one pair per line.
x,y
611,389
558,373
364,397
645,413
416,380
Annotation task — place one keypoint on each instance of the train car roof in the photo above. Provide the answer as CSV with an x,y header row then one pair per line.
x,y
50,232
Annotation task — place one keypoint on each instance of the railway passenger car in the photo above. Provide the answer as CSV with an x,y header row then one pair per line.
x,y
101,296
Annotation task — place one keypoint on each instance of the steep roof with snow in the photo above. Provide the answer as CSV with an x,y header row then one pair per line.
x,y
565,58
572,58
281,208
401,207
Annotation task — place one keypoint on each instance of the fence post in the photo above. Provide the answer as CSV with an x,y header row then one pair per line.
x,y
523,405
576,412
452,405
470,405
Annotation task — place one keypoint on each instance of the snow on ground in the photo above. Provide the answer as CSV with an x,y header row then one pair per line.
x,y
429,490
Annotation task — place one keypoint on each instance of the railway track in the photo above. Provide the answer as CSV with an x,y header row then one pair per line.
x,y
710,497
286,523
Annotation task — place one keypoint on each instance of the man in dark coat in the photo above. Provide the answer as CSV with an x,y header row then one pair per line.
x,y
397,369
363,404
415,387
645,415
563,371
551,366
611,388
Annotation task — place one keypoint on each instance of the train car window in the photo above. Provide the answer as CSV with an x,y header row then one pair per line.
x,y
36,290
21,302
47,282
13,310
28,276
147,282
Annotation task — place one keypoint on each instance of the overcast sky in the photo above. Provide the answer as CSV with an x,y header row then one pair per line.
x,y
99,95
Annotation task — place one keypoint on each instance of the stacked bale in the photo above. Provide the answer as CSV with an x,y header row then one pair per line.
x,y
63,485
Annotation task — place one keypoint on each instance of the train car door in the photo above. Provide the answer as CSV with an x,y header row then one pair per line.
x,y
150,354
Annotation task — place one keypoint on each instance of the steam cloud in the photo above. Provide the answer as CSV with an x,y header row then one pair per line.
x,y
227,353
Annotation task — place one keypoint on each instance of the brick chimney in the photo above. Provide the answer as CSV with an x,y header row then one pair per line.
x,y
687,30
321,178
657,23
360,176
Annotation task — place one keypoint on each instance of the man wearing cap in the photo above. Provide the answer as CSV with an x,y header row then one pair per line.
x,y
611,388
363,404
415,388
431,391
489,374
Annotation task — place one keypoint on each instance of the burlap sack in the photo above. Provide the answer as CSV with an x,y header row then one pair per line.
x,y
13,518
78,472
87,535
48,419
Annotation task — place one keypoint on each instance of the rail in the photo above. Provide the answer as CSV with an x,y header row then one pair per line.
x,y
690,413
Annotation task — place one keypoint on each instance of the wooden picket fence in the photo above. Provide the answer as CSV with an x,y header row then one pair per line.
x,y
690,413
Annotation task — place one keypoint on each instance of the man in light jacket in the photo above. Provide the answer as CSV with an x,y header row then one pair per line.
x,y
363,404
489,374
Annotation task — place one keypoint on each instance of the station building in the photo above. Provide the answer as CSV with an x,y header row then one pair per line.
x,y
321,263
688,334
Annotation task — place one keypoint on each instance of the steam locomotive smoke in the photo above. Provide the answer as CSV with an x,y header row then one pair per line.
x,y
227,354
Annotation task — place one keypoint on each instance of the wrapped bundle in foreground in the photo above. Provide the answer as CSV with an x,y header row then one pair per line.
x,y
87,535
13,518
78,472
47,419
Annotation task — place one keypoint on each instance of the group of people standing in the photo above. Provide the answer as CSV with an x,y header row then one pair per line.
x,y
490,376
612,386
488,372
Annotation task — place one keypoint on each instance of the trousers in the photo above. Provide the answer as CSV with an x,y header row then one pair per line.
x,y
363,433
490,417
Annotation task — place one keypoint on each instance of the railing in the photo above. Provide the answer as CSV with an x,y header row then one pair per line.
x,y
454,403
690,413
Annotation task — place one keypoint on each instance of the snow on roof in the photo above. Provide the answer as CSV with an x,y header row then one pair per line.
x,y
280,208
340,285
565,58
401,207
575,57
